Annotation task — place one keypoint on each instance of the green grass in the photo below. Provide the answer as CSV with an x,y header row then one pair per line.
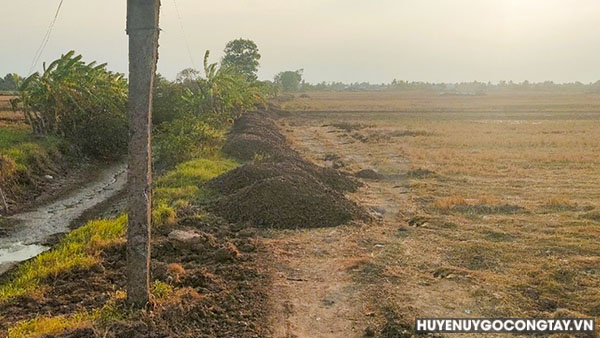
x,y
22,151
44,326
183,185
186,180
50,326
79,248
161,289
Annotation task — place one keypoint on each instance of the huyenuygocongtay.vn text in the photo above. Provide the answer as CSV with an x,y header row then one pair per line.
x,y
504,325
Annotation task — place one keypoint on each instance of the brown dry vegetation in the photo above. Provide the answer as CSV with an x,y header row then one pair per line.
x,y
8,117
414,101
477,211
490,204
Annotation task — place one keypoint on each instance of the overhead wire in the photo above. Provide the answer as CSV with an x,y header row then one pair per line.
x,y
187,44
40,50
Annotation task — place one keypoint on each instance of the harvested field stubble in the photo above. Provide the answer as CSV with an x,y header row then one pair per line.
x,y
496,196
279,189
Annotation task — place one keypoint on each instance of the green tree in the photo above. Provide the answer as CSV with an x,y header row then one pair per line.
x,y
9,82
187,76
289,80
242,55
167,101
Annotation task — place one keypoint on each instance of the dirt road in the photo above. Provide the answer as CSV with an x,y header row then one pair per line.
x,y
484,213
316,289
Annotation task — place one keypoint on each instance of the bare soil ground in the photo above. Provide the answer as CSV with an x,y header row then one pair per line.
x,y
479,207
489,208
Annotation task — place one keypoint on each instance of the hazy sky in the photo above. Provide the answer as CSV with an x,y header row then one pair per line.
x,y
333,40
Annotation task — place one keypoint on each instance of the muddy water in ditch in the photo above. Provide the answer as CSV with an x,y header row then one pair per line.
x,y
37,226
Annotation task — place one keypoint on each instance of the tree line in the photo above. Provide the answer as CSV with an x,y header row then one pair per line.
x,y
292,81
9,82
85,104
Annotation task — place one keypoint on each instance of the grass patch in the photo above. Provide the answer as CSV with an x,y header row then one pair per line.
x,y
477,255
25,150
186,180
420,173
496,236
51,326
161,289
163,215
79,249
45,326
486,209
558,205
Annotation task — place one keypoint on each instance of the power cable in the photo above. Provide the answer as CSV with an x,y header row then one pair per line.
x,y
40,50
187,44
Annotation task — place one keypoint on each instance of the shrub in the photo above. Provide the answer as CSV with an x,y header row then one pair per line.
x,y
222,95
82,102
161,289
184,139
103,136
167,102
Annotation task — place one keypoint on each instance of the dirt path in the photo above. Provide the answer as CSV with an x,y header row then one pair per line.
x,y
35,227
316,293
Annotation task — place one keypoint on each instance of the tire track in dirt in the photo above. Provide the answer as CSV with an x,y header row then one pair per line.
x,y
315,290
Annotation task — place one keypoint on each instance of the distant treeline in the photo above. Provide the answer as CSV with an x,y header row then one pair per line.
x,y
292,81
462,88
8,83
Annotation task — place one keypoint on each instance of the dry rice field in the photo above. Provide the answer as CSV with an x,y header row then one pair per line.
x,y
489,205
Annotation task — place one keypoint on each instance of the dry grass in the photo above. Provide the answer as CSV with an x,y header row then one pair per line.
x,y
8,117
413,101
512,210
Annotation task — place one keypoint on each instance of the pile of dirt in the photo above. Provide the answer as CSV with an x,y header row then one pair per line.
x,y
288,201
256,171
218,289
281,189
247,147
369,174
420,173
255,134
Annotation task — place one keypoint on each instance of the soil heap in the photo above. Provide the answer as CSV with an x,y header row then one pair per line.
x,y
278,188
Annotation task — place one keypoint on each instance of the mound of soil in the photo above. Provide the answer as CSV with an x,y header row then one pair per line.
x,y
255,134
420,173
369,174
288,201
281,190
253,172
218,291
247,146
331,177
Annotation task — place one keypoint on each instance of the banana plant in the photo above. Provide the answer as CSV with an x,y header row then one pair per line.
x,y
221,95
68,93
